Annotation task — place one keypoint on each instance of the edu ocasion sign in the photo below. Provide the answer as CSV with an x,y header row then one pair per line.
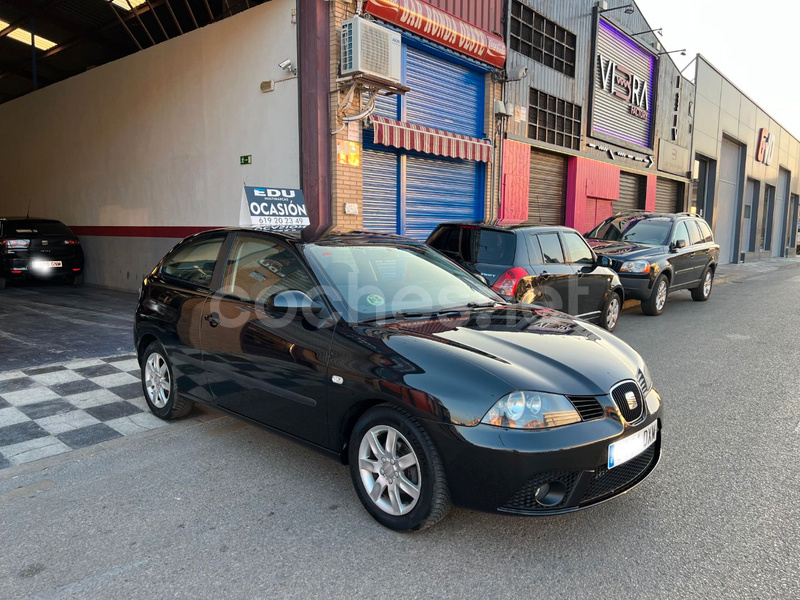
x,y
273,208
623,92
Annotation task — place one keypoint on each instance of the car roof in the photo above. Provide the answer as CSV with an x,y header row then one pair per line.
x,y
509,228
643,214
294,236
15,219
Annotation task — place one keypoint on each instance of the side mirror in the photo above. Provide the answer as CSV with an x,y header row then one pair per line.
x,y
603,261
297,301
678,245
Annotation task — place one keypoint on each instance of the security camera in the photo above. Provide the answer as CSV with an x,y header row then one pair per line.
x,y
286,65
516,73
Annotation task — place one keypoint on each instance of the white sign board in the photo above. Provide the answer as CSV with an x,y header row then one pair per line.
x,y
273,208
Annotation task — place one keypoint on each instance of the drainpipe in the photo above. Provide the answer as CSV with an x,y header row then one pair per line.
x,y
314,56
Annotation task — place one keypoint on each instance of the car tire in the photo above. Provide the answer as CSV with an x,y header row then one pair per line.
x,y
2,283
77,279
703,291
159,386
654,305
609,318
371,455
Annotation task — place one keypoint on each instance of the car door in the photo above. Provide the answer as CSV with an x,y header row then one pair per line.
x,y
592,282
701,253
263,364
681,259
557,277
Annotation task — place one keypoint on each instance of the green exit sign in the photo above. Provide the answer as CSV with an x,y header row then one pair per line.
x,y
246,160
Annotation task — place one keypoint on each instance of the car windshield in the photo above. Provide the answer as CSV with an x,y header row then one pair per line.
x,y
375,281
638,230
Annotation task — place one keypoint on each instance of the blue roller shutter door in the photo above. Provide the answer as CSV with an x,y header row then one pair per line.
x,y
436,189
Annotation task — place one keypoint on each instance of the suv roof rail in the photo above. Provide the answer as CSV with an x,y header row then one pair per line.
x,y
686,214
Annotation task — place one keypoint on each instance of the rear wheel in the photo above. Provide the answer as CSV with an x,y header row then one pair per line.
x,y
611,312
654,305
396,471
77,279
2,283
703,291
160,388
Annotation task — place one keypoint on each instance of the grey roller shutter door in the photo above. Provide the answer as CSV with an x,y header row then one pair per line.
x,y
548,189
668,196
631,193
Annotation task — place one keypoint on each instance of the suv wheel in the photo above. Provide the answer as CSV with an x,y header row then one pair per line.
x,y
703,291
611,311
654,305
396,470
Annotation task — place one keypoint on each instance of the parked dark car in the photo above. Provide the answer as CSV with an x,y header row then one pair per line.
x,y
550,266
657,253
382,353
39,249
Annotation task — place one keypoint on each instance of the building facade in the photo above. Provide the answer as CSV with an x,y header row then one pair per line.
x,y
599,114
746,171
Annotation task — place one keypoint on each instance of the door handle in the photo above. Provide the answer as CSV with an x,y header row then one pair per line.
x,y
545,275
213,319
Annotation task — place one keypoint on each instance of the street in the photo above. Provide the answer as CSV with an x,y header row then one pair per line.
x,y
209,507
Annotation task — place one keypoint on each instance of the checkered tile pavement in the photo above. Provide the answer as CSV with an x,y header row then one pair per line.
x,y
49,410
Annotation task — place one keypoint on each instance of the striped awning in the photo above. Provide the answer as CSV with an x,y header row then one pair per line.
x,y
409,136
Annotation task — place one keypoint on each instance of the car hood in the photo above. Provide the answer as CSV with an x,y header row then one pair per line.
x,y
513,348
625,250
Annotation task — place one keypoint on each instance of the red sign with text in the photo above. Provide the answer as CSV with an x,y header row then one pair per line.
x,y
441,27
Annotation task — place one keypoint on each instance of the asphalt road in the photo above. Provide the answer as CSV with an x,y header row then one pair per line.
x,y
210,508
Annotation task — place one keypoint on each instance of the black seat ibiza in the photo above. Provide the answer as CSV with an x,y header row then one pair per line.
x,y
379,351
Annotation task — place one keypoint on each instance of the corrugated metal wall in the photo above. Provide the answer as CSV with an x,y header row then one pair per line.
x,y
631,193
548,189
486,14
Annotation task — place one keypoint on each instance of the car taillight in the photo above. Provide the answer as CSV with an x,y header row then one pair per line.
x,y
72,242
15,244
506,284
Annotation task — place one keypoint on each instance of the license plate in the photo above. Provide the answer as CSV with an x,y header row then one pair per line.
x,y
44,264
632,446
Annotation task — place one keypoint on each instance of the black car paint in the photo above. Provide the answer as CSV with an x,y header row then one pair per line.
x,y
446,371
683,267
585,288
14,264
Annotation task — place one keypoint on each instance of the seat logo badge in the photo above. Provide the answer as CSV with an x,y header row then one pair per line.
x,y
337,379
631,398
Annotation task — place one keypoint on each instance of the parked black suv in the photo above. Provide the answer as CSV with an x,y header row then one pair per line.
x,y
656,253
551,266
39,248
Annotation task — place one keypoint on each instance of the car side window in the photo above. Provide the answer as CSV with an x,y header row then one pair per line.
x,y
258,269
707,236
695,237
552,253
681,233
194,262
579,251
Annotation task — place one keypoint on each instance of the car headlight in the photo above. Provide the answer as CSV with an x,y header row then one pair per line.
x,y
635,266
531,410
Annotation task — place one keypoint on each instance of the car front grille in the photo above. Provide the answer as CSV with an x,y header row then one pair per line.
x,y
642,383
588,407
525,498
620,392
609,481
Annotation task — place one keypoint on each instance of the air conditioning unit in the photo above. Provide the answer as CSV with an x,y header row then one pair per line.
x,y
371,50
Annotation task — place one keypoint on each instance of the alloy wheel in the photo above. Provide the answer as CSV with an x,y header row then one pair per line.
x,y
661,295
612,314
157,380
707,284
389,470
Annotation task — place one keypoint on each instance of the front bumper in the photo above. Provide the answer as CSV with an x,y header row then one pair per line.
x,y
499,470
637,287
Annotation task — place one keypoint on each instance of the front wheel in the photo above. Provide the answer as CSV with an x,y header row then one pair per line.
x,y
611,311
654,305
703,291
396,471
160,388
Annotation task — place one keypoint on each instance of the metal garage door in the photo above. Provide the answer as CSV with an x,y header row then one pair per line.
x,y
780,227
548,191
631,193
729,195
668,196
411,193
